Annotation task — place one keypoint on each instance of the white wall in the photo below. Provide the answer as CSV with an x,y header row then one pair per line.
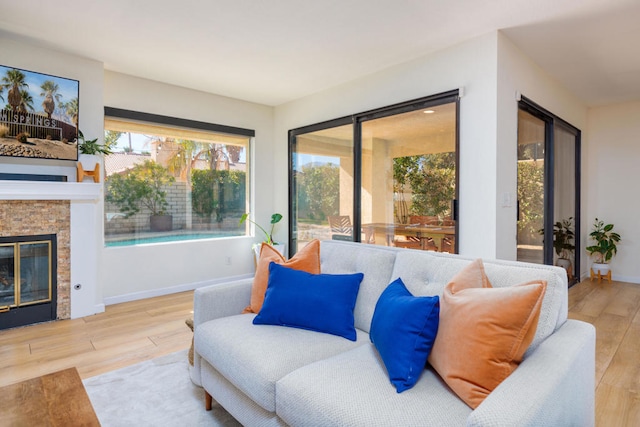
x,y
471,66
145,270
518,73
611,181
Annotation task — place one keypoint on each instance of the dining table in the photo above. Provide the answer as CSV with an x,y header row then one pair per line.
x,y
426,233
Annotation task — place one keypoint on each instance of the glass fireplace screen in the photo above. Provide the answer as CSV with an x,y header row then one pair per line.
x,y
25,274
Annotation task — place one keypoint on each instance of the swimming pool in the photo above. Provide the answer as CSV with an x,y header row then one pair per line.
x,y
144,240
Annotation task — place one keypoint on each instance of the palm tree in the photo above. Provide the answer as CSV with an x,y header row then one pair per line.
x,y
15,80
71,109
26,102
49,91
111,139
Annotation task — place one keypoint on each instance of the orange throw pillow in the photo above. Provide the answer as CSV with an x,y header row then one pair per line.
x,y
308,259
483,332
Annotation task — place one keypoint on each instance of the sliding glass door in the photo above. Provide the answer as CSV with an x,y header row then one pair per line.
x,y
531,186
408,178
321,176
386,177
548,189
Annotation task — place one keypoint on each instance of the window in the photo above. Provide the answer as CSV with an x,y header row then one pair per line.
x,y
173,180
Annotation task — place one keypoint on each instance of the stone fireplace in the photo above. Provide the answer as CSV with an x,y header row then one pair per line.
x,y
69,211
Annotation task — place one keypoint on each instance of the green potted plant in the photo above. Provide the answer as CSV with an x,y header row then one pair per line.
x,y
91,146
563,236
275,218
90,152
605,247
143,186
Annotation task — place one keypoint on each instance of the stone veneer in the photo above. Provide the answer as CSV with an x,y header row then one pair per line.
x,y
31,217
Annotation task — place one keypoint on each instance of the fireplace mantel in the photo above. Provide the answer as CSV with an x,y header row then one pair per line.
x,y
85,233
43,190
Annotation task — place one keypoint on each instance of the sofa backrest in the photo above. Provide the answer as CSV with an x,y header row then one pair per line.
x,y
427,273
376,262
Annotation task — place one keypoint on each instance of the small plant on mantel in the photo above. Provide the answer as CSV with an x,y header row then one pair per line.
x,y
275,218
91,146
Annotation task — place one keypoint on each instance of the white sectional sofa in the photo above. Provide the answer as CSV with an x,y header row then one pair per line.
x,y
274,376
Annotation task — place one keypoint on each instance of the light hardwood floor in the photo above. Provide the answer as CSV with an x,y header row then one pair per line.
x,y
614,309
123,335
132,332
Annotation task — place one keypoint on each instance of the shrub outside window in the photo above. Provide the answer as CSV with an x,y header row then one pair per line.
x,y
165,184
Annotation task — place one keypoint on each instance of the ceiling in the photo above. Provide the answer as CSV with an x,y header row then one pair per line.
x,y
272,52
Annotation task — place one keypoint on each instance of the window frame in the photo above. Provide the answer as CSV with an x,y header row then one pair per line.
x,y
196,126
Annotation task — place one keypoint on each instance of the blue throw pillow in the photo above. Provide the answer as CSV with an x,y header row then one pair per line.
x,y
317,302
403,329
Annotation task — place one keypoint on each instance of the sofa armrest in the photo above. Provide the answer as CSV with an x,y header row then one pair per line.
x,y
221,300
553,386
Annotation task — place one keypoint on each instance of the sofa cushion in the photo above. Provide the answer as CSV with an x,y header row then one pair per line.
x,y
353,389
376,262
308,259
253,357
484,331
427,273
318,302
403,330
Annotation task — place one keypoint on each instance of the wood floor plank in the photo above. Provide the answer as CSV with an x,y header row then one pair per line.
x,y
577,294
596,301
617,407
627,301
624,368
610,330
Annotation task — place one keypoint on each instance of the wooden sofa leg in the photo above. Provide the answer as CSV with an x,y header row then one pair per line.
x,y
208,400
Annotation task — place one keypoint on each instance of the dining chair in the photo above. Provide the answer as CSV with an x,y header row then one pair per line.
x,y
340,227
448,245
411,242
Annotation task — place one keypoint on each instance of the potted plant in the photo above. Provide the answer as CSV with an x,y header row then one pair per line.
x,y
563,236
91,146
275,218
605,246
143,186
89,158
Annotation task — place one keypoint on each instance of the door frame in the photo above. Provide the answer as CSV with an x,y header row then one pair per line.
x,y
551,121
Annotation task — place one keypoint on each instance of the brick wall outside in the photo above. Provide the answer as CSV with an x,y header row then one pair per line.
x,y
178,198
32,217
179,201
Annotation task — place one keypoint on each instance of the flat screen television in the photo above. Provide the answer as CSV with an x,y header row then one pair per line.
x,y
38,115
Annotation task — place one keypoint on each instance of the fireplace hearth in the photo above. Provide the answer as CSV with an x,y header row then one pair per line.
x,y
28,279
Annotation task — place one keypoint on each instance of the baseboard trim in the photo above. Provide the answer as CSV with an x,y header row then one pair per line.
x,y
627,279
615,277
169,290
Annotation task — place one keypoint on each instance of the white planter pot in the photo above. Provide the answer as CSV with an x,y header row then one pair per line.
x,y
89,161
564,263
600,268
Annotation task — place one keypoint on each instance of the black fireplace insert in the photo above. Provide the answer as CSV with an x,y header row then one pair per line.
x,y
28,280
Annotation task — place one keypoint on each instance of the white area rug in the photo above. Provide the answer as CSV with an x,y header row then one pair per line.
x,y
154,393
